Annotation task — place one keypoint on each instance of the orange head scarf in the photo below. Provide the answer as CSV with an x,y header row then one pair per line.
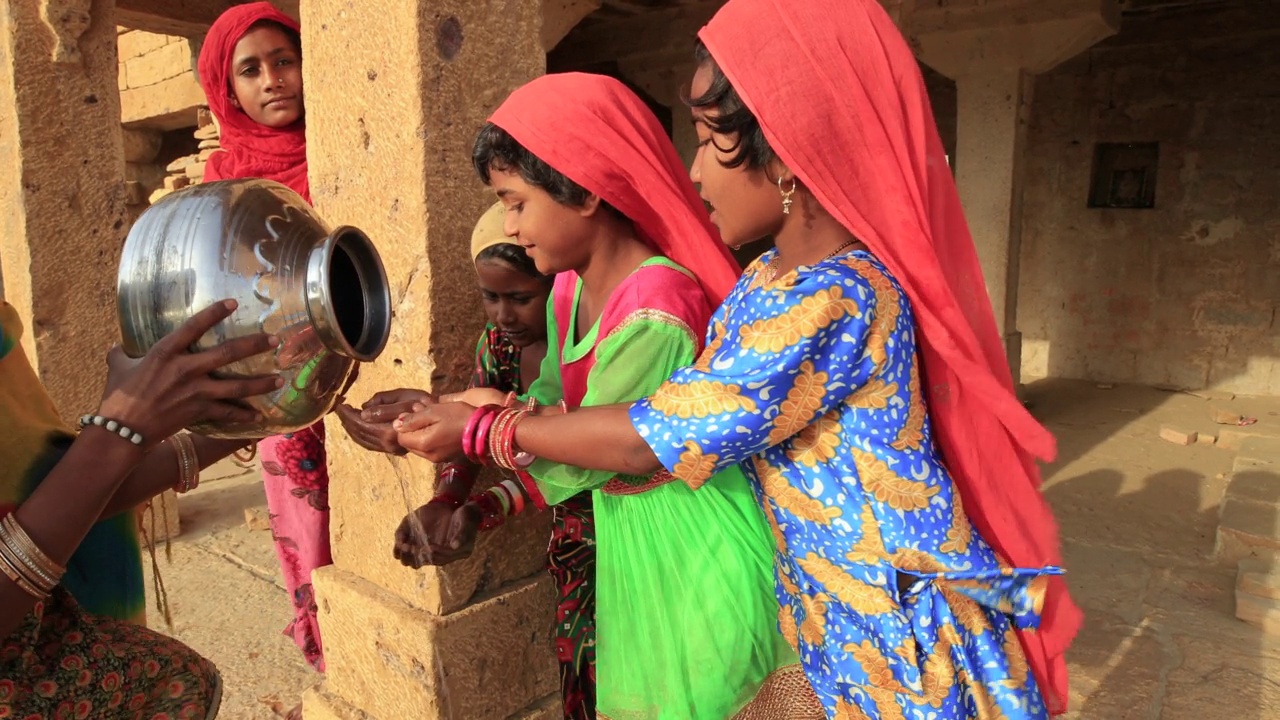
x,y
596,132
250,149
840,99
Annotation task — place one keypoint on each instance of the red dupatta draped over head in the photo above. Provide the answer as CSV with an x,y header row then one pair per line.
x,y
841,100
250,149
600,135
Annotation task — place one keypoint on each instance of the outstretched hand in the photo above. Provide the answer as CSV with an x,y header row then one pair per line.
x,y
370,427
434,432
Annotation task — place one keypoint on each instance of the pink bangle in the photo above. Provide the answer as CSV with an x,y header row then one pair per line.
x,y
469,432
480,443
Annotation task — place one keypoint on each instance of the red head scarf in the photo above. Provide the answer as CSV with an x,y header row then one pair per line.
x,y
841,100
599,134
250,149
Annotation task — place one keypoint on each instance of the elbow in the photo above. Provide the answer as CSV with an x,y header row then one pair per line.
x,y
640,458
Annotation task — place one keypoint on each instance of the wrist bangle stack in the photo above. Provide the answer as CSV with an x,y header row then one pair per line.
x,y
188,463
23,562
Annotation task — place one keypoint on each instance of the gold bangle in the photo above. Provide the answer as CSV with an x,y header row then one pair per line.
x,y
24,571
13,534
15,575
188,462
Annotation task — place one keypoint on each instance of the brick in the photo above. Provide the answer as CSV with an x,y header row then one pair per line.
x,y
1203,439
176,182
1178,437
394,661
1224,417
159,65
1246,529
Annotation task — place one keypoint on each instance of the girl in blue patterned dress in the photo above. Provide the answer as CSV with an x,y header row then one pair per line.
x,y
855,373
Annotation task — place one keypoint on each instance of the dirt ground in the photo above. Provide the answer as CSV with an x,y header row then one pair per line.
x,y
1138,516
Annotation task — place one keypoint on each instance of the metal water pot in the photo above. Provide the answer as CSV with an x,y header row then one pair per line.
x,y
323,293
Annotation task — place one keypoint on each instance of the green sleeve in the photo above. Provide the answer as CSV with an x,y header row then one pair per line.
x,y
631,363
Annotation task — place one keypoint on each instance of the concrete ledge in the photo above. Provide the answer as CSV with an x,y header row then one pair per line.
x,y
1254,486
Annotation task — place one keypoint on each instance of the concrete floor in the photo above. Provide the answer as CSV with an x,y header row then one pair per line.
x,y
1137,513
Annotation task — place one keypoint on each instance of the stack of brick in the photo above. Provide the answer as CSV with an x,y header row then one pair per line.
x,y
189,169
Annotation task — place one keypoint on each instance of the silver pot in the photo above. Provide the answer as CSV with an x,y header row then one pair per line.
x,y
323,293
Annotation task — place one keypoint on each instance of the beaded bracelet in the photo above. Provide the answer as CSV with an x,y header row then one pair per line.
x,y
113,426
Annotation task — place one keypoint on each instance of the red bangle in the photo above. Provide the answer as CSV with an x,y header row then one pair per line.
x,y
453,502
491,514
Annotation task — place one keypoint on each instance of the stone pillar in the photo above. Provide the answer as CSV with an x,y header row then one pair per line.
x,y
993,52
61,188
993,110
395,94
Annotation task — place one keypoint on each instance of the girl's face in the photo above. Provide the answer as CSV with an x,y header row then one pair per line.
x,y
746,204
554,235
266,77
514,301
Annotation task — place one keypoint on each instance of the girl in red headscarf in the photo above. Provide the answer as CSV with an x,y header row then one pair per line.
x,y
685,614
251,71
856,373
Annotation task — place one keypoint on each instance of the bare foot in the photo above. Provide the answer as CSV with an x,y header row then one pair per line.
x,y
295,713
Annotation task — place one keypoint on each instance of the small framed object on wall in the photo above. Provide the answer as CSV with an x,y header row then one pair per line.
x,y
1124,176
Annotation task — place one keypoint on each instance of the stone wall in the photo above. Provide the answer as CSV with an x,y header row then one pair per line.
x,y
1185,294
158,87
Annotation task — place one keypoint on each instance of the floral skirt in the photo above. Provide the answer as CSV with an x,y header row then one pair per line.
x,y
296,478
64,663
571,560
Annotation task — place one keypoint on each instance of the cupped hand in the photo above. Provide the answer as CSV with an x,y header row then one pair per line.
x,y
171,388
376,436
435,432
386,406
436,534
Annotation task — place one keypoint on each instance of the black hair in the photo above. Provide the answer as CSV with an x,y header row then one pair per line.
x,y
294,36
512,255
495,149
732,117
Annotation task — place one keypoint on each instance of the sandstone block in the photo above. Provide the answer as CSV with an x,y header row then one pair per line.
x,y
205,133
1203,439
169,61
1254,486
489,660
1178,437
209,144
195,171
1261,612
1234,438
176,182
134,194
180,164
134,43
157,194
1246,529
1259,577
167,105
256,519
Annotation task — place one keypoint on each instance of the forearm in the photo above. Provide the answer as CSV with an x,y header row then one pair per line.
x,y
593,438
62,509
160,471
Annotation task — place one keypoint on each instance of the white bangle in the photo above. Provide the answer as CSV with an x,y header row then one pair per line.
x,y
112,426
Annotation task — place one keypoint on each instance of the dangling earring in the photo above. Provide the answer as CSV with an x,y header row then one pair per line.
x,y
786,195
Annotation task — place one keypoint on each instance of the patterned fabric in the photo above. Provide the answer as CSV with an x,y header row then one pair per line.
x,y
63,661
896,605
296,479
570,554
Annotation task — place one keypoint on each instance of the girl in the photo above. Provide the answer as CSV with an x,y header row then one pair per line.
x,y
856,373
72,640
251,72
684,616
508,357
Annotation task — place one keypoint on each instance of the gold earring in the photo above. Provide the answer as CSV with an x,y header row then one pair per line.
x,y
786,195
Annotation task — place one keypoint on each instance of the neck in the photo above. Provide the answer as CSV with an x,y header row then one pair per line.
x,y
618,252
809,235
